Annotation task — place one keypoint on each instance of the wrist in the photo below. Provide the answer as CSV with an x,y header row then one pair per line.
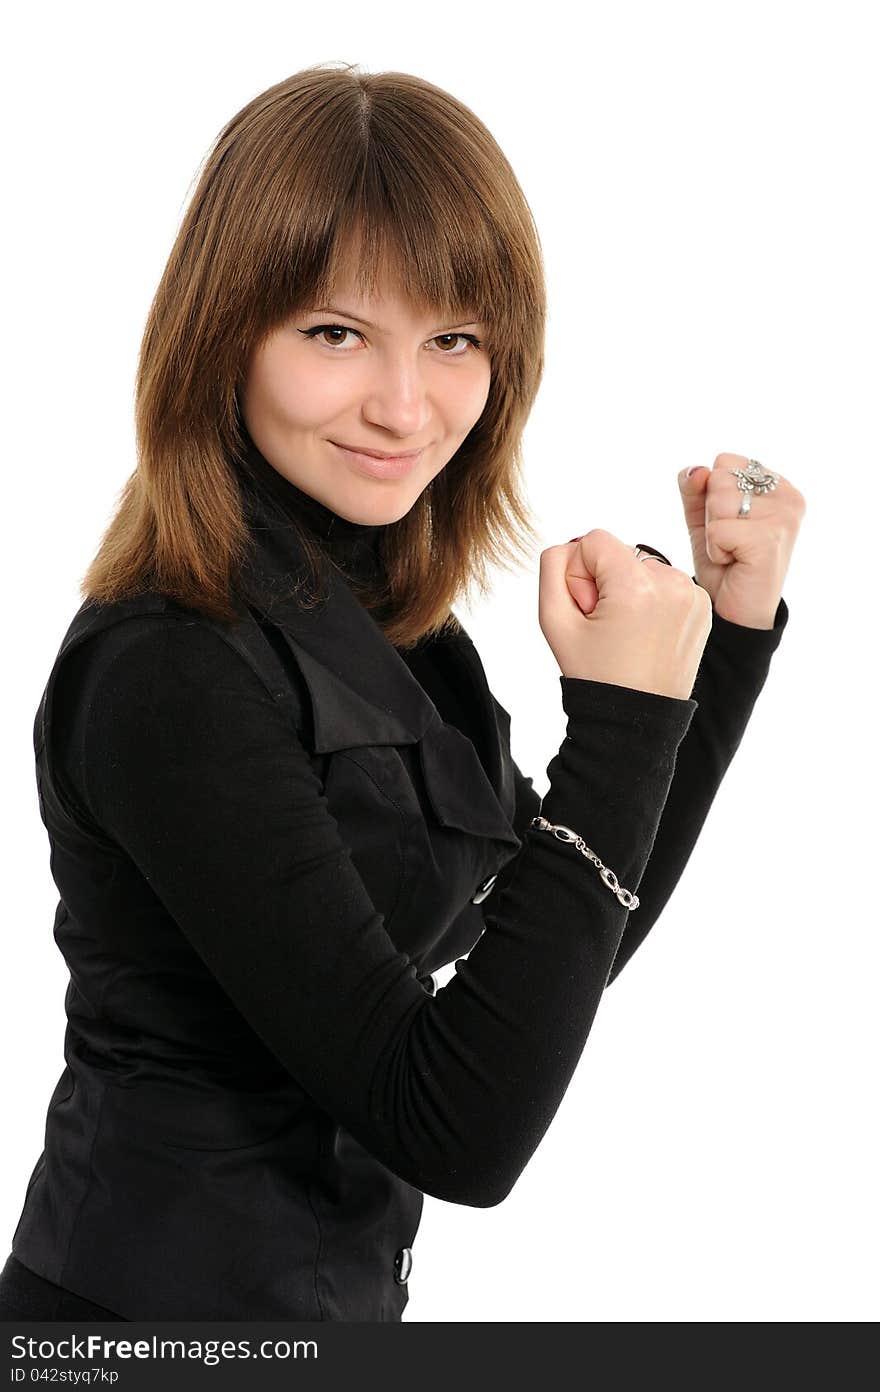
x,y
751,618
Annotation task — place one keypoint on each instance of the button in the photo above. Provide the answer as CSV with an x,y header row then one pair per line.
x,y
484,890
403,1265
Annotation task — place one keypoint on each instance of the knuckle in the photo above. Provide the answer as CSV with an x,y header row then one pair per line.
x,y
680,578
702,604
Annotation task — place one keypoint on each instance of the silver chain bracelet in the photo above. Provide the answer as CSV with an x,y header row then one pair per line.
x,y
608,877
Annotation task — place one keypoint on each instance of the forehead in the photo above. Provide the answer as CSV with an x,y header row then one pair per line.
x,y
382,312
385,285
386,303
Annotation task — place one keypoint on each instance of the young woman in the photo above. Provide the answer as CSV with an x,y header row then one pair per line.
x,y
278,789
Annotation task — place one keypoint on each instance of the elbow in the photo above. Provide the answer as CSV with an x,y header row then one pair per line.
x,y
491,1195
472,1186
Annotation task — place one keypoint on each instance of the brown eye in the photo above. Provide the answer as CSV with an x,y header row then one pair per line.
x,y
328,328
468,338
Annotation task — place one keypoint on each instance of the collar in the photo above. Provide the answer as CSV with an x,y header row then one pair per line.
x,y
362,692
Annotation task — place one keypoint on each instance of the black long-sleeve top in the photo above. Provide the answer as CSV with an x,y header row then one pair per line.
x,y
179,753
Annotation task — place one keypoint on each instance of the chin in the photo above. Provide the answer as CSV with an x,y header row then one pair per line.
x,y
386,504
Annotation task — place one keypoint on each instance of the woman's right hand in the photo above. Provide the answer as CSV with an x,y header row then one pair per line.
x,y
610,617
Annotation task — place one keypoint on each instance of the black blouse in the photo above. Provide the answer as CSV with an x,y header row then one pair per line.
x,y
635,774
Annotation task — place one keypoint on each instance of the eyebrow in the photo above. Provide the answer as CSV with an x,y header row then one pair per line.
x,y
347,314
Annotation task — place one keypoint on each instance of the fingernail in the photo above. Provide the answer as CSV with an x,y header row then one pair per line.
x,y
575,539
693,469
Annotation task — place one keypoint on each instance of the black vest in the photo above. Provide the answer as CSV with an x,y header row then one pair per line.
x,y
170,1190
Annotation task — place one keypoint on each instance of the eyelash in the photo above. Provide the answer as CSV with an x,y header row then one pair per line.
x,y
319,328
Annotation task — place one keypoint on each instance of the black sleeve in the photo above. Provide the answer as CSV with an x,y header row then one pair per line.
x,y
732,672
189,765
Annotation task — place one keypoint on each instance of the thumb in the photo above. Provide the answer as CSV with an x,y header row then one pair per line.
x,y
692,486
564,571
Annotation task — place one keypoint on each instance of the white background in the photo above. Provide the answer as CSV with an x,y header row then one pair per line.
x,y
703,177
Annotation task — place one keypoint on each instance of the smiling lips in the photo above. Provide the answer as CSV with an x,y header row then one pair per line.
x,y
380,454
377,465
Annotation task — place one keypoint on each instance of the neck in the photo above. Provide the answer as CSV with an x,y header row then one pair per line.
x,y
353,545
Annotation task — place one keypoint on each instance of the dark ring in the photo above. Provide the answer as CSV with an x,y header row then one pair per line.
x,y
652,550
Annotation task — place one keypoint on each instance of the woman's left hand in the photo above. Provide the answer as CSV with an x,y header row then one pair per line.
x,y
741,561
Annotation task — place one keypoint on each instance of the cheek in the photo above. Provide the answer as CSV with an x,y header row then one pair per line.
x,y
298,392
470,397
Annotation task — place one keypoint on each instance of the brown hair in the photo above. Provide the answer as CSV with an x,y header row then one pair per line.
x,y
329,162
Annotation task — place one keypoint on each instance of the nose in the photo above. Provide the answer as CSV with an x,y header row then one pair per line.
x,y
397,399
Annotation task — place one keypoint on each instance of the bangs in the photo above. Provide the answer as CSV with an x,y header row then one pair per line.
x,y
378,250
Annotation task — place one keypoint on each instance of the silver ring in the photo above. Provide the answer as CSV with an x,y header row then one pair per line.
x,y
650,553
753,479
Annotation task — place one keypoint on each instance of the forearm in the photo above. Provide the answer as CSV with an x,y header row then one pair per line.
x,y
732,673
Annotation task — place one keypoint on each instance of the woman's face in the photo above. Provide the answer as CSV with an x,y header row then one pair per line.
x,y
381,377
